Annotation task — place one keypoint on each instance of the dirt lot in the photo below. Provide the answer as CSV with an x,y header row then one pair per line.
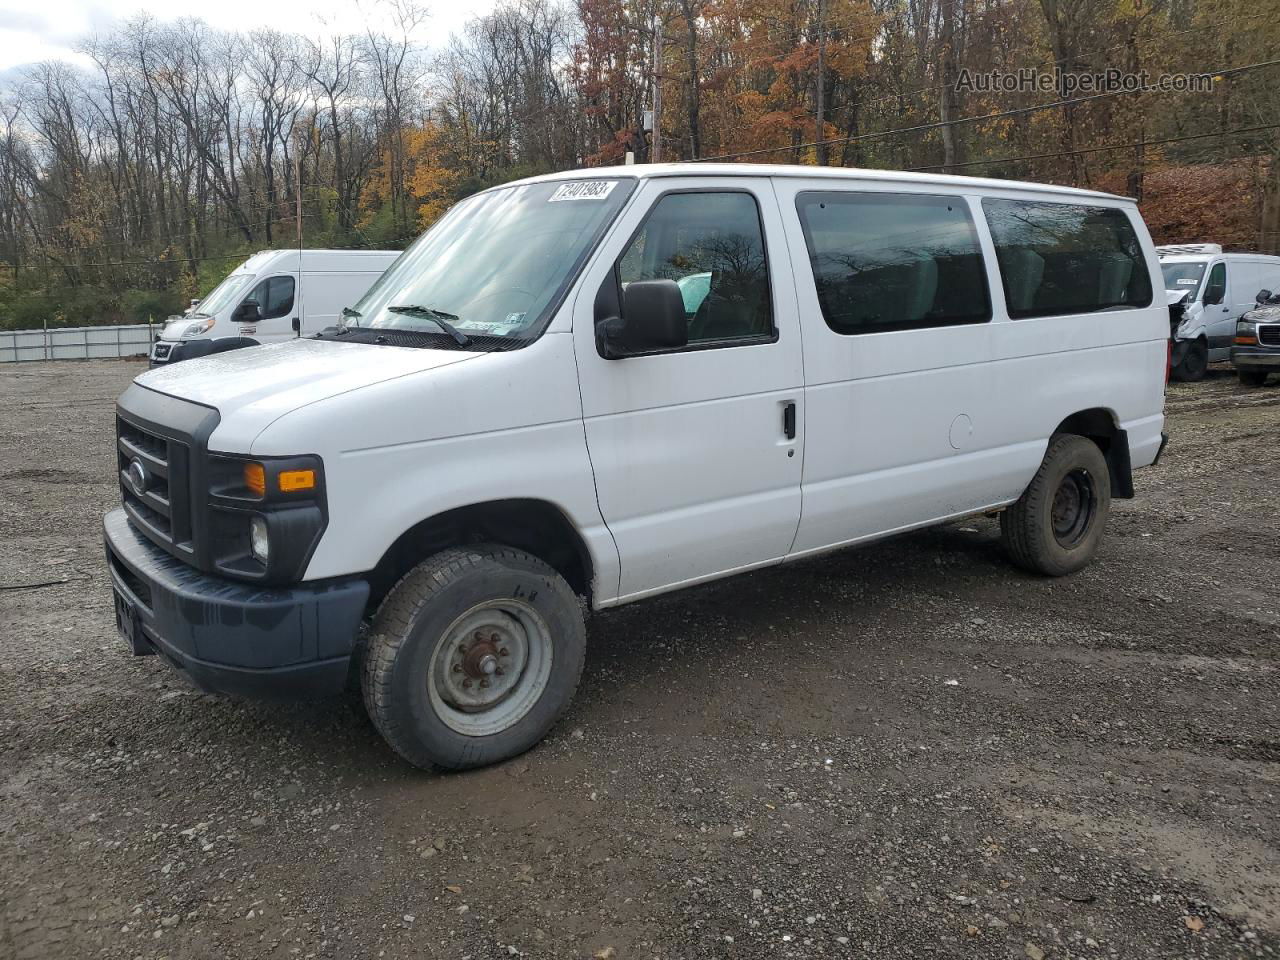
x,y
911,750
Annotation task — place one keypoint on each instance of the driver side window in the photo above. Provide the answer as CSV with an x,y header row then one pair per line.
x,y
274,296
712,246
1215,288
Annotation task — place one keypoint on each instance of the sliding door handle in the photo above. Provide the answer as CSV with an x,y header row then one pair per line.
x,y
789,419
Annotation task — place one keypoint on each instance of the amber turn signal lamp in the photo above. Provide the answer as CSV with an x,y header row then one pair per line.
x,y
291,481
255,478
1246,341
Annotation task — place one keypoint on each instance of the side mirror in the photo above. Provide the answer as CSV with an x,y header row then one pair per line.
x,y
1263,296
652,319
247,312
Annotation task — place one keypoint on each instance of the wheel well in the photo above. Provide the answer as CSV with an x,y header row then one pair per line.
x,y
535,526
1100,426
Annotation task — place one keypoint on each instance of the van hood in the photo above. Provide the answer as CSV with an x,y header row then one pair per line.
x,y
1174,296
252,387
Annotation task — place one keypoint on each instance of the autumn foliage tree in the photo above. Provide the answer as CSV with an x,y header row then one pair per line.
x,y
137,182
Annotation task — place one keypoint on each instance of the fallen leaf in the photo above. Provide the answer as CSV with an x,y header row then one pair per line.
x,y
971,930
608,953
454,888
1194,924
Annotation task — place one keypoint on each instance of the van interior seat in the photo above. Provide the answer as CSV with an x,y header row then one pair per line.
x,y
922,289
1113,279
1023,270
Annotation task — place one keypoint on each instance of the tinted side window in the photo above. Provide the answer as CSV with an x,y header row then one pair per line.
x,y
274,296
1058,258
1215,289
894,261
712,246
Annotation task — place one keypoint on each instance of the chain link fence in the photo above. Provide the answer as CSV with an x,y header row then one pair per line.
x,y
77,343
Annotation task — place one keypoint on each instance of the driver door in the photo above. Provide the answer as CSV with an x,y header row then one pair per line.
x,y
1219,320
275,297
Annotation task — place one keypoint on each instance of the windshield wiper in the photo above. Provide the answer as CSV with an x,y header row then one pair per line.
x,y
348,314
438,317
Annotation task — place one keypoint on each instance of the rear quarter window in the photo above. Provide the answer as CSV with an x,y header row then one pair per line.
x,y
1060,258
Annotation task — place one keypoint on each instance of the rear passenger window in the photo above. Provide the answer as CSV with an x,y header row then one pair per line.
x,y
1058,258
712,246
893,261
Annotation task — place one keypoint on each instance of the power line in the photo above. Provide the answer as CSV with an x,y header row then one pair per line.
x,y
1104,148
1018,111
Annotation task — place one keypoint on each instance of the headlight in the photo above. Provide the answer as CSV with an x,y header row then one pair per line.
x,y
1246,333
259,542
197,327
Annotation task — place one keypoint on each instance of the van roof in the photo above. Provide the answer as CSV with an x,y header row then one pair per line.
x,y
313,258
648,170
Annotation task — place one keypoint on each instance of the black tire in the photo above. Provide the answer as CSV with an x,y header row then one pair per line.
x,y
403,674
1042,532
1252,378
1194,362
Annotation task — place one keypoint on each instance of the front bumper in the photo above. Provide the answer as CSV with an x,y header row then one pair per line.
x,y
229,637
164,352
1252,358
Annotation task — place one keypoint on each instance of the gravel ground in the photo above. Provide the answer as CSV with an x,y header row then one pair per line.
x,y
909,750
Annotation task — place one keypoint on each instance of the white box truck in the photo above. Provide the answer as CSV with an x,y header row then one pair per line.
x,y
529,417
275,295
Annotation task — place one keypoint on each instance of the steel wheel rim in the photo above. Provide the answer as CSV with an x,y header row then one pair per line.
x,y
490,667
1073,508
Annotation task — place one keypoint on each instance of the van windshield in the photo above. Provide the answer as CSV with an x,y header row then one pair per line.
x,y
497,263
1182,276
224,295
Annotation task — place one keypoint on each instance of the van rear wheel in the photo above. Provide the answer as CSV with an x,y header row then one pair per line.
x,y
1056,525
473,657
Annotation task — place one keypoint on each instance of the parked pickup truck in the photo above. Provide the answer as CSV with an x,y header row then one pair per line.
x,y
582,390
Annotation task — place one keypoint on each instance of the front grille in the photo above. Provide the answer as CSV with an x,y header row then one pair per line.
x,y
1269,336
162,507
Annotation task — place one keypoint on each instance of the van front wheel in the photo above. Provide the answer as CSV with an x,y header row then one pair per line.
x,y
1192,362
1056,525
472,657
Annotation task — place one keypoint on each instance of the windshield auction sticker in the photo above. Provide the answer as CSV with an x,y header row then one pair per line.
x,y
583,190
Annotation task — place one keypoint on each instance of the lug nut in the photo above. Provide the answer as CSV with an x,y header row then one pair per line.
x,y
467,684
479,635
457,668
484,683
499,672
503,652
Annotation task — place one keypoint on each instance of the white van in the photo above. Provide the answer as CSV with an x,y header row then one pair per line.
x,y
1207,292
275,295
530,415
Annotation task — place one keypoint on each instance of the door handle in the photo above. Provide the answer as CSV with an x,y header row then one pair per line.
x,y
789,419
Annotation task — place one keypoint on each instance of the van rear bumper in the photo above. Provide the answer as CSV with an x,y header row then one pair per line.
x,y
229,637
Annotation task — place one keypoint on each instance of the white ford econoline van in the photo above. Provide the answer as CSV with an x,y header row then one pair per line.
x,y
275,295
1207,292
536,409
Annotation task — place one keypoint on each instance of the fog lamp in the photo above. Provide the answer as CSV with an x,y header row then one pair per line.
x,y
259,542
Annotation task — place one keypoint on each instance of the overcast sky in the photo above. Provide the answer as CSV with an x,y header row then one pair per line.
x,y
50,29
